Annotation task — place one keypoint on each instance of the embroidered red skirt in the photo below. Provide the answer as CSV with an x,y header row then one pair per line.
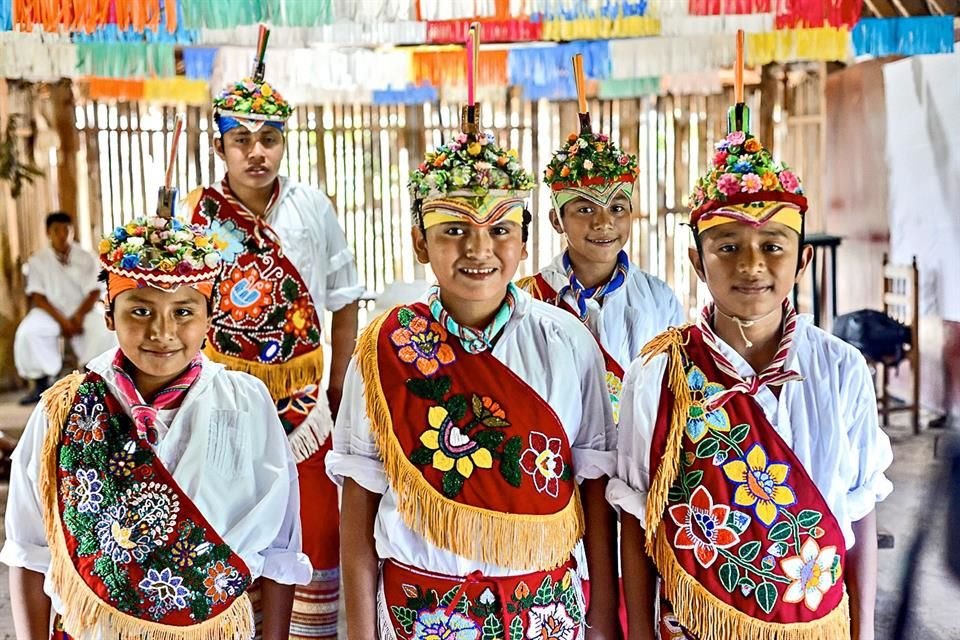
x,y
419,604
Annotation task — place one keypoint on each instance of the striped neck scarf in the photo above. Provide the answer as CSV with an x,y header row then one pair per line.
x,y
262,232
774,374
472,340
145,413
581,294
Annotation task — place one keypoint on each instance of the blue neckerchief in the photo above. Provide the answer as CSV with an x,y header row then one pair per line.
x,y
472,340
582,294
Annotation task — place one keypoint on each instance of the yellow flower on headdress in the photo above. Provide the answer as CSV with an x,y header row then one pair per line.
x,y
104,246
266,90
474,149
201,242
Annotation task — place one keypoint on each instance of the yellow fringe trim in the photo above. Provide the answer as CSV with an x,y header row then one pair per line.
x,y
85,612
529,284
281,379
709,618
510,540
670,342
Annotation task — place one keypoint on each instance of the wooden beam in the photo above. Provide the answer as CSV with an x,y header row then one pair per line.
x,y
65,122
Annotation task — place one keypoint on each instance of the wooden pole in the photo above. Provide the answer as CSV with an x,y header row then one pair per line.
x,y
64,108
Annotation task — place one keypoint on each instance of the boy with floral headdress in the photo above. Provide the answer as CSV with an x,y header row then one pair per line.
x,y
750,459
118,514
591,183
286,261
469,418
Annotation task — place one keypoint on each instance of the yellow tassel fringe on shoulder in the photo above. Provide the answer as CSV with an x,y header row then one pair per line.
x,y
85,613
515,541
529,284
705,615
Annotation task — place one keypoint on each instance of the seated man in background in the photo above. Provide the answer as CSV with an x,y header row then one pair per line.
x,y
63,291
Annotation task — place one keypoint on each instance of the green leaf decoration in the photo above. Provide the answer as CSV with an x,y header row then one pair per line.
x,y
313,335
452,483
494,421
68,458
87,543
406,617
456,407
566,474
492,628
405,315
476,404
286,347
277,316
766,595
729,576
693,479
749,551
569,601
675,494
708,448
739,432
808,518
429,388
290,289
544,594
421,456
510,461
490,438
199,605
226,343
516,629
780,531
448,596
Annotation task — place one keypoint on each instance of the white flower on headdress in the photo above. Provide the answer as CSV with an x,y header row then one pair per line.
x,y
588,164
483,166
134,242
211,259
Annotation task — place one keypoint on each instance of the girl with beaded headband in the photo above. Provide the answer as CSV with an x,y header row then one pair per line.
x,y
287,260
591,184
475,434
117,518
750,459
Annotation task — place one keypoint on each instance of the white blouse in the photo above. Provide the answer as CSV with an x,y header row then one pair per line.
x,y
226,450
553,353
65,286
630,316
829,419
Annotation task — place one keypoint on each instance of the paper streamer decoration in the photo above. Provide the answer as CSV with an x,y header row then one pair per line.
x,y
87,15
628,88
198,62
375,11
789,45
179,90
291,13
6,15
544,72
368,33
411,95
36,57
559,28
686,25
112,89
513,30
903,36
819,13
652,57
458,9
443,67
126,60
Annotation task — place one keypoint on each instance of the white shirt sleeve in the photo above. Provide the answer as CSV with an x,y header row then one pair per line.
x,y
355,454
277,483
343,283
37,275
869,445
26,541
594,449
639,406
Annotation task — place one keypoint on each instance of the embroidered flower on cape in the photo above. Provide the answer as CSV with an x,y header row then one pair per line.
x,y
451,447
227,238
424,344
87,423
298,318
811,572
542,461
700,418
703,527
220,582
760,485
550,623
245,293
87,491
437,625
141,521
165,590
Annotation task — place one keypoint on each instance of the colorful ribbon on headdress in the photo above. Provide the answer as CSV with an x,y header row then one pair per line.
x,y
117,284
489,210
600,191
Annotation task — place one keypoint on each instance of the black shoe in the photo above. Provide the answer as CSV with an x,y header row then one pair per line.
x,y
39,386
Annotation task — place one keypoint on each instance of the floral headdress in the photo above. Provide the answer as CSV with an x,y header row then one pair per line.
x,y
746,184
252,102
160,252
475,171
590,165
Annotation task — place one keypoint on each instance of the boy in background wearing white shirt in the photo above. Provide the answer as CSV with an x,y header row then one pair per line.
x,y
63,290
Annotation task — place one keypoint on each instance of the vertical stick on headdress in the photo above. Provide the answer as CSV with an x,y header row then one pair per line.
x,y
470,118
581,83
738,116
259,64
167,197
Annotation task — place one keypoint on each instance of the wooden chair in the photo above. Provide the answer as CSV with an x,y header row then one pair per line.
x,y
901,301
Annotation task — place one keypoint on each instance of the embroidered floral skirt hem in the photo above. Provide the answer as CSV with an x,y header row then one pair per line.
x,y
416,605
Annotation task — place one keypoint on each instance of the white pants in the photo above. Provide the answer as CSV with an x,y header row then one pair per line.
x,y
36,346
